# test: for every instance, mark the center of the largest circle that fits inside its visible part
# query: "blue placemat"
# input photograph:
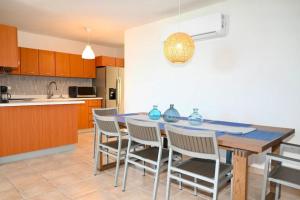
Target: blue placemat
(257, 134)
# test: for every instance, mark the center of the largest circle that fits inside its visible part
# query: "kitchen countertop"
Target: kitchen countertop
(31, 101)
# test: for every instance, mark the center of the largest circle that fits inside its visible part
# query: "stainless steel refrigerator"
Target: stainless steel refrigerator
(109, 85)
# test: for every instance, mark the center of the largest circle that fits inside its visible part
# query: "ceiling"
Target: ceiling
(108, 19)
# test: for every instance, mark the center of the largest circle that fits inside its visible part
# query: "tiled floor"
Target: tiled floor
(70, 176)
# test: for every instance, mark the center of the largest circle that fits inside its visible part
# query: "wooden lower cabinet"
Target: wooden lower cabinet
(30, 128)
(85, 115)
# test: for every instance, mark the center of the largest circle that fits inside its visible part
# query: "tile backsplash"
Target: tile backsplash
(37, 85)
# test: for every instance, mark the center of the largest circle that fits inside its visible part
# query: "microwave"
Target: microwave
(80, 92)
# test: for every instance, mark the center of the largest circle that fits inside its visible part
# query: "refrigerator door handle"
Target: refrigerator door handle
(117, 95)
(119, 92)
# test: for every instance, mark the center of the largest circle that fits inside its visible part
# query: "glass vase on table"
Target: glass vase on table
(154, 114)
(171, 114)
(195, 119)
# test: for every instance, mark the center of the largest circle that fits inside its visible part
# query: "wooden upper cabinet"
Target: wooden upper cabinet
(105, 61)
(119, 62)
(17, 70)
(46, 63)
(76, 66)
(62, 64)
(89, 68)
(8, 46)
(29, 61)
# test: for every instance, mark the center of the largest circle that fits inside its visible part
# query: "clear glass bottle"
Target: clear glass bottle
(195, 118)
(171, 114)
(154, 114)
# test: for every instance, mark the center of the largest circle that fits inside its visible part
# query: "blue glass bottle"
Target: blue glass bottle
(154, 114)
(171, 114)
(195, 118)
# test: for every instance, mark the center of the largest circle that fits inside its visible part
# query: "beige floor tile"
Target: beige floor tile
(55, 195)
(11, 194)
(79, 189)
(97, 195)
(5, 184)
(64, 180)
(34, 189)
(133, 194)
(12, 167)
(25, 178)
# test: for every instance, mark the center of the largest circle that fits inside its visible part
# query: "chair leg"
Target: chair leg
(144, 170)
(96, 162)
(168, 175)
(265, 181)
(215, 194)
(231, 188)
(156, 181)
(95, 136)
(117, 170)
(277, 191)
(195, 188)
(180, 183)
(107, 157)
(126, 167)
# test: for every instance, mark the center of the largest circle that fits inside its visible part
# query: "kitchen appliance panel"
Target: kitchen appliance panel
(100, 83)
(111, 86)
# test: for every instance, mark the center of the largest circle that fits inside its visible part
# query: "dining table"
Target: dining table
(241, 139)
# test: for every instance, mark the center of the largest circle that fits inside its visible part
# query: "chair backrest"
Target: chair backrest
(144, 132)
(108, 125)
(105, 111)
(195, 143)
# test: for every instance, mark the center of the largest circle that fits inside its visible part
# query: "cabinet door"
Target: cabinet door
(8, 46)
(89, 68)
(17, 70)
(76, 66)
(83, 116)
(119, 62)
(62, 64)
(29, 61)
(46, 63)
(105, 61)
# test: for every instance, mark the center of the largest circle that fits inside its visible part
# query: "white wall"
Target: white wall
(32, 40)
(252, 75)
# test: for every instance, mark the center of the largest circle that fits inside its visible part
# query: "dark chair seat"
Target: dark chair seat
(114, 144)
(152, 154)
(204, 167)
(286, 176)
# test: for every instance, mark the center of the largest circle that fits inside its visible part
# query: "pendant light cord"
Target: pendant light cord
(179, 15)
(179, 8)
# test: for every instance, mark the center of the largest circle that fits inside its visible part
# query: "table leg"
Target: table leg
(240, 174)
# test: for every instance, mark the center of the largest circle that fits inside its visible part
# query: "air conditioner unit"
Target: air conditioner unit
(200, 28)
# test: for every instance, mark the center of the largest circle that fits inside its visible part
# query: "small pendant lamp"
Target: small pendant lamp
(179, 47)
(88, 52)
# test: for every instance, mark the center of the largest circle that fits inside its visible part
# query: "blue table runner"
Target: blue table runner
(257, 134)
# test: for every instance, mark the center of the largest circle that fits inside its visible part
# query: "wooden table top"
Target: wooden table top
(256, 142)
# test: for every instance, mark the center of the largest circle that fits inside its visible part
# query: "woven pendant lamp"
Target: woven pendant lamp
(179, 47)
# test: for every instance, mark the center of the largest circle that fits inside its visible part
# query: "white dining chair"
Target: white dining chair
(102, 112)
(286, 171)
(203, 165)
(145, 133)
(108, 126)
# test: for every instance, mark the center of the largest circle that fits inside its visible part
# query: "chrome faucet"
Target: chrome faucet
(49, 89)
